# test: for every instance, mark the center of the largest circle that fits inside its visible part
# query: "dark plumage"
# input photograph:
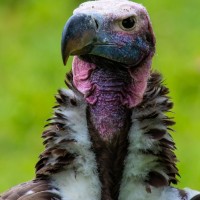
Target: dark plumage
(109, 137)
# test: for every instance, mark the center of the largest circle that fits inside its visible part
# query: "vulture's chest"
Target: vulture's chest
(136, 163)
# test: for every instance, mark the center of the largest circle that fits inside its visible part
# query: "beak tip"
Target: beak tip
(65, 58)
(64, 62)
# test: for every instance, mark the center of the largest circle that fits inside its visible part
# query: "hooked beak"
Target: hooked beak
(78, 36)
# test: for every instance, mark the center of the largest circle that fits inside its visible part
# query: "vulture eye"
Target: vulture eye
(128, 24)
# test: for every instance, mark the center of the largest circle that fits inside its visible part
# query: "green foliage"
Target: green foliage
(31, 70)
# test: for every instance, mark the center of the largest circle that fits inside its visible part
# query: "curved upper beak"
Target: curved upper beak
(78, 36)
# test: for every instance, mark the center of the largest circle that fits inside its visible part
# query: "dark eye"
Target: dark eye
(128, 23)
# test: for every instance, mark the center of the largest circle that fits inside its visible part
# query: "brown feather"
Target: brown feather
(40, 189)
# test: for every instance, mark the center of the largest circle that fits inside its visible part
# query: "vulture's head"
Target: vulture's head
(117, 30)
(113, 44)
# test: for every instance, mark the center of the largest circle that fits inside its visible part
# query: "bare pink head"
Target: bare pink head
(113, 43)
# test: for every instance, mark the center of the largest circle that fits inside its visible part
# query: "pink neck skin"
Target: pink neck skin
(81, 78)
(110, 92)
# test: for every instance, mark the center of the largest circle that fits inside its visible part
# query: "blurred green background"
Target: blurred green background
(31, 71)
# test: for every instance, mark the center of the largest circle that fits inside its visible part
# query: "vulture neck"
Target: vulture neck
(107, 109)
(139, 156)
(111, 90)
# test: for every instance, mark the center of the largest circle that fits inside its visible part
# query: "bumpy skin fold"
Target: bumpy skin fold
(109, 137)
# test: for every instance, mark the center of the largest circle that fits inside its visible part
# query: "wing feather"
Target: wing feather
(36, 189)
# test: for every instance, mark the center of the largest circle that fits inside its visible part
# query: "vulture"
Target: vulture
(109, 137)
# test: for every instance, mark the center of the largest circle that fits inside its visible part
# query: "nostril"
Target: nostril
(96, 23)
